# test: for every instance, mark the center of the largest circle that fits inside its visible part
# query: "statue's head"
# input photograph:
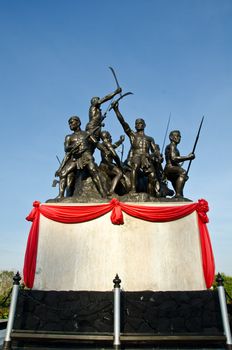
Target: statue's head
(175, 136)
(95, 101)
(74, 122)
(140, 124)
(105, 135)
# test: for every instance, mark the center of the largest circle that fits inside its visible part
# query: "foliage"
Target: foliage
(227, 286)
(6, 278)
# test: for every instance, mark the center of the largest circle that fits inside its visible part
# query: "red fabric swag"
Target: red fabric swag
(78, 214)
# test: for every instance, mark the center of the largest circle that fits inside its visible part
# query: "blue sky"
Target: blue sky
(175, 56)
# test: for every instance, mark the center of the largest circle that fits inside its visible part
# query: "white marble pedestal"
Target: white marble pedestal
(146, 255)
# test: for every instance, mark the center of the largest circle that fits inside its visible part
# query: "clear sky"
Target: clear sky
(174, 55)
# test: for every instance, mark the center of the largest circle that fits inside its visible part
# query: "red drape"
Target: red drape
(78, 214)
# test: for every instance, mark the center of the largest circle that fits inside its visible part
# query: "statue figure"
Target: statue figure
(95, 114)
(142, 154)
(78, 157)
(110, 161)
(173, 170)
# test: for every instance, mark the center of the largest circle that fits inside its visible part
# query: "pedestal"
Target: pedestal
(146, 255)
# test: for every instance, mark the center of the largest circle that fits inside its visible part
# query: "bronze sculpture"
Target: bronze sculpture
(78, 157)
(140, 177)
(142, 155)
(95, 113)
(173, 170)
(110, 161)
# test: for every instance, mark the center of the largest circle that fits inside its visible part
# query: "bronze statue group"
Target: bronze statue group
(141, 172)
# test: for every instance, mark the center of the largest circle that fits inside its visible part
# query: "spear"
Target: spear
(195, 144)
(58, 159)
(166, 132)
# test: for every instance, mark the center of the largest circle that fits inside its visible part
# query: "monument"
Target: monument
(118, 217)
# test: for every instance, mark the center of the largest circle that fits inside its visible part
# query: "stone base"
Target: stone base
(141, 312)
(146, 256)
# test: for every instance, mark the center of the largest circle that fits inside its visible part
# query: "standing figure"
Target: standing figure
(110, 163)
(173, 170)
(95, 113)
(142, 154)
(78, 157)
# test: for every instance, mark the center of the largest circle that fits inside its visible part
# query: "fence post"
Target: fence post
(224, 311)
(117, 312)
(14, 297)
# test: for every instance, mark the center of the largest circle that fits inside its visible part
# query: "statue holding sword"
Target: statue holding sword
(173, 169)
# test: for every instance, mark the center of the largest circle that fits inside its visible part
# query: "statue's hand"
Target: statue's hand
(118, 90)
(122, 138)
(191, 156)
(114, 105)
(57, 173)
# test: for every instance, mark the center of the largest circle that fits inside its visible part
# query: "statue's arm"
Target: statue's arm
(71, 146)
(114, 154)
(119, 142)
(110, 96)
(177, 158)
(66, 157)
(125, 125)
(67, 144)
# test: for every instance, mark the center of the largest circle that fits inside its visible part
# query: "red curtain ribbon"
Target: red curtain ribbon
(78, 214)
(206, 247)
(32, 246)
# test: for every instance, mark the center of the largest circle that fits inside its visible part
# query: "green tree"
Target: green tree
(6, 279)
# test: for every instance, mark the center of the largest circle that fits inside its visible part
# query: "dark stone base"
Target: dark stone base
(130, 197)
(195, 312)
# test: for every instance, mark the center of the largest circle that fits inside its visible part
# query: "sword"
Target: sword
(126, 94)
(195, 144)
(115, 78)
(117, 83)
